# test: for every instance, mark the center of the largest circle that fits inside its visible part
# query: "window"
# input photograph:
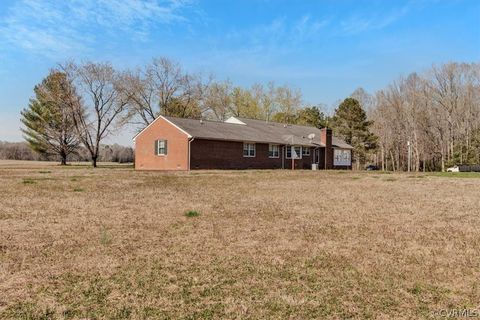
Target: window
(249, 149)
(297, 152)
(342, 157)
(273, 151)
(161, 147)
(305, 151)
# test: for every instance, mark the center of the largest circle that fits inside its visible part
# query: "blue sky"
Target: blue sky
(325, 48)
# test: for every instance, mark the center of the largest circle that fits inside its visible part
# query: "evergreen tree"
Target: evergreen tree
(311, 116)
(350, 123)
(48, 121)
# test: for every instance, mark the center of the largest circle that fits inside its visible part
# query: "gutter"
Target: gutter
(190, 140)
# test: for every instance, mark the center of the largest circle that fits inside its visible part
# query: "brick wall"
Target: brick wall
(211, 154)
(177, 148)
(326, 139)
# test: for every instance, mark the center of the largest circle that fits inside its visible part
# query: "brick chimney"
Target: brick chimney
(326, 139)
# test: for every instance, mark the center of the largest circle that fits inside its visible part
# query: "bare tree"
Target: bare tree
(438, 112)
(218, 98)
(104, 99)
(162, 87)
(288, 101)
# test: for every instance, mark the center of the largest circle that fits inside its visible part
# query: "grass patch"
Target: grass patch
(274, 245)
(382, 172)
(78, 190)
(356, 178)
(34, 180)
(28, 181)
(390, 179)
(27, 311)
(192, 213)
(456, 174)
(44, 171)
(105, 237)
(416, 289)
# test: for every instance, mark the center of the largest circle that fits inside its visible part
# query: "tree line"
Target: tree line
(22, 151)
(80, 104)
(437, 112)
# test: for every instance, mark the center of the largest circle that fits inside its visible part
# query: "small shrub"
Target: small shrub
(192, 213)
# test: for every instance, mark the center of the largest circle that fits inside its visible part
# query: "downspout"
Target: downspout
(189, 151)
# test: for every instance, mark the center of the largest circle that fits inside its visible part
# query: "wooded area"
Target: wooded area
(437, 111)
(108, 153)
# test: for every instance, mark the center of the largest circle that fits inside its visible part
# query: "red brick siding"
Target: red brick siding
(326, 139)
(213, 154)
(177, 148)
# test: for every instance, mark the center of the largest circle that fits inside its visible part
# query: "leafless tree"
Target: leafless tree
(438, 112)
(103, 101)
(218, 98)
(162, 88)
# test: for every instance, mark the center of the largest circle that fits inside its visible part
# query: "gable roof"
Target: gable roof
(243, 129)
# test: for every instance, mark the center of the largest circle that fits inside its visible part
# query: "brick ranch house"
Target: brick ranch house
(170, 143)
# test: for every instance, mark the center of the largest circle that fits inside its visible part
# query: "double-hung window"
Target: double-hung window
(248, 149)
(297, 152)
(305, 151)
(161, 147)
(273, 151)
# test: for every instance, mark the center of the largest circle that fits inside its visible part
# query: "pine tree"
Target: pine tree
(49, 127)
(350, 123)
(311, 116)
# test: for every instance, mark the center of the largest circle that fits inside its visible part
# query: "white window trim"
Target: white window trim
(158, 148)
(306, 148)
(278, 151)
(286, 152)
(254, 150)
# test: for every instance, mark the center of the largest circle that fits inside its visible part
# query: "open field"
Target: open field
(38, 164)
(116, 244)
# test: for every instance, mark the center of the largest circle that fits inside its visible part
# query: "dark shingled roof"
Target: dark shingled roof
(254, 131)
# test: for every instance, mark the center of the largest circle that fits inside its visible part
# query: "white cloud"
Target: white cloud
(377, 20)
(53, 28)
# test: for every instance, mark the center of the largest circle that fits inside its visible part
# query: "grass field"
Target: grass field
(119, 244)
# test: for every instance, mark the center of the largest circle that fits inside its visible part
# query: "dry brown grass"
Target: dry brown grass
(114, 243)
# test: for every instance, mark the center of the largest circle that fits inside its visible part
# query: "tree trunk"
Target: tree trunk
(383, 158)
(94, 161)
(63, 158)
(443, 162)
(393, 161)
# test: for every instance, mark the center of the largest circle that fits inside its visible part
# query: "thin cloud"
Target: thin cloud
(281, 34)
(53, 28)
(357, 24)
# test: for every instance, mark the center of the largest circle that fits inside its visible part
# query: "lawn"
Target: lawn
(118, 244)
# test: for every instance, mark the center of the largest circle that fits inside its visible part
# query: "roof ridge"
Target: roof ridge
(288, 124)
